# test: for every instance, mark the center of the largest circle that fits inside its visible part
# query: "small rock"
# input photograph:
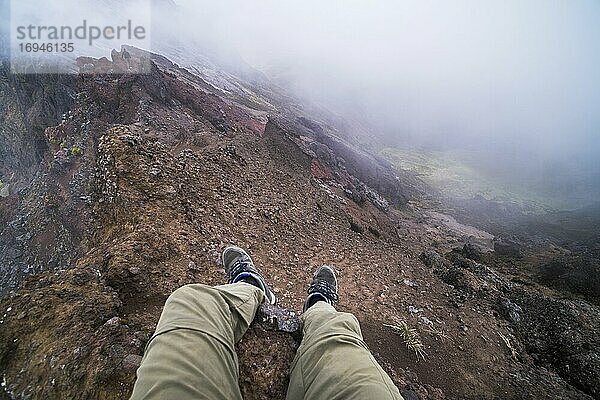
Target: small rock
(509, 309)
(280, 319)
(472, 251)
(137, 343)
(408, 394)
(410, 283)
(432, 258)
(114, 321)
(4, 191)
(356, 226)
(231, 149)
(131, 362)
(141, 336)
(154, 171)
(413, 310)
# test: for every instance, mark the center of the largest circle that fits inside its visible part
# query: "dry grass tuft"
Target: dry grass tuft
(411, 338)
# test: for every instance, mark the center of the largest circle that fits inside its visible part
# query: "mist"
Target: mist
(517, 83)
(514, 83)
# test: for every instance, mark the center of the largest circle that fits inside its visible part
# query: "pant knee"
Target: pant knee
(191, 297)
(189, 290)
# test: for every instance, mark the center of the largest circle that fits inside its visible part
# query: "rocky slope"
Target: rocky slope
(125, 187)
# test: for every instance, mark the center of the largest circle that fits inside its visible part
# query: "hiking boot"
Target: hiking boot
(239, 267)
(323, 287)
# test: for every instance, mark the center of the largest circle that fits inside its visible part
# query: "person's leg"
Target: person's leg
(333, 362)
(192, 355)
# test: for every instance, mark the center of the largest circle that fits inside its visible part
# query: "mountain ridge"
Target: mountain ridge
(142, 179)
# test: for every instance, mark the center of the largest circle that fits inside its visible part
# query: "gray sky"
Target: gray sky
(518, 79)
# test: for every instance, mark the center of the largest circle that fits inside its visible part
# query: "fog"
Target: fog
(516, 81)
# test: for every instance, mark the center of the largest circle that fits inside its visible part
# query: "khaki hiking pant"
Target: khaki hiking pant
(192, 355)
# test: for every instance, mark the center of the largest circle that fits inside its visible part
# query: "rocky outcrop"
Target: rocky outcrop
(375, 179)
(28, 104)
(563, 335)
(558, 334)
(33, 236)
